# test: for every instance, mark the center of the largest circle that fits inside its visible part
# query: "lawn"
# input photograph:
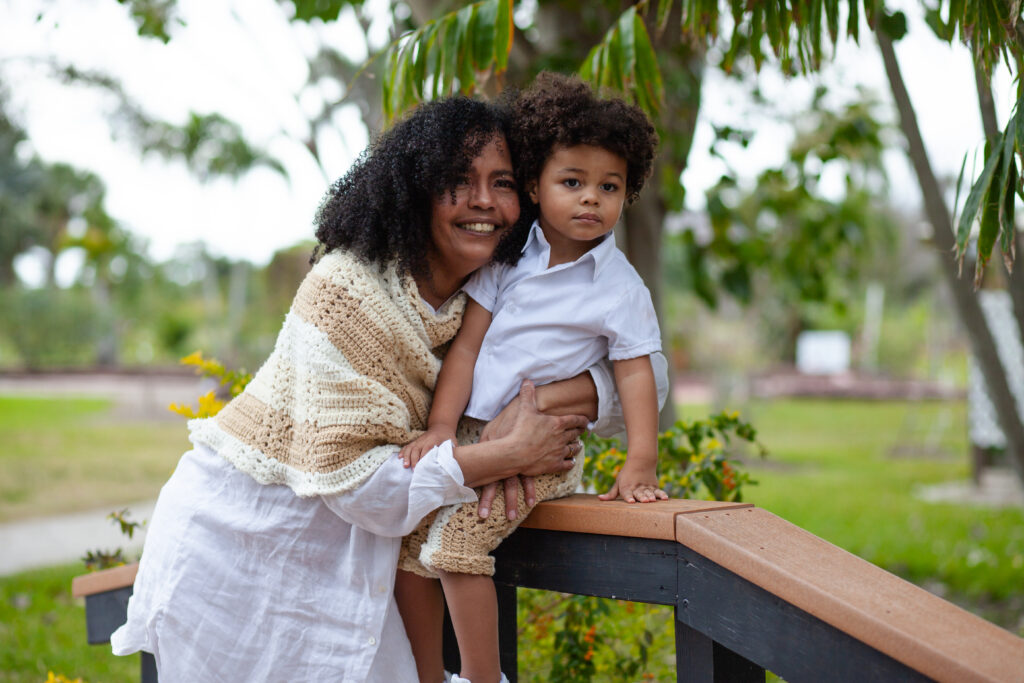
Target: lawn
(844, 470)
(63, 455)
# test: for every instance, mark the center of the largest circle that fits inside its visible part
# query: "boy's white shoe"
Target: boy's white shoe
(456, 678)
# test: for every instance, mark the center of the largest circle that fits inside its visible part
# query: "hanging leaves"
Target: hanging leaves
(625, 61)
(458, 52)
(993, 194)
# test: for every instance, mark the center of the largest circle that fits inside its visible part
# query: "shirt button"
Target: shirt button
(372, 641)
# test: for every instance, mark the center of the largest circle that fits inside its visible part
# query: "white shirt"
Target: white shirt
(549, 324)
(245, 582)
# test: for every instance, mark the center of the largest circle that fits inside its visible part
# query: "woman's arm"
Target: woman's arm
(393, 500)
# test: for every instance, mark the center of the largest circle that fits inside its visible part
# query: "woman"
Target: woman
(271, 554)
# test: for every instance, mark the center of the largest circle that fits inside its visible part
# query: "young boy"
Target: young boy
(571, 300)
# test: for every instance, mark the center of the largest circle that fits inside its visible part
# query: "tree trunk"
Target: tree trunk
(982, 343)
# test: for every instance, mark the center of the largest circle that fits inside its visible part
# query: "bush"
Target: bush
(52, 327)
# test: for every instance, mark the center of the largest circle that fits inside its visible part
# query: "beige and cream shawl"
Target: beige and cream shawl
(349, 380)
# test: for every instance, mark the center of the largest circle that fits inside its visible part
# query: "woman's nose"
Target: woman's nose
(480, 196)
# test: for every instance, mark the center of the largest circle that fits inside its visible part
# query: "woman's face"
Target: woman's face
(466, 230)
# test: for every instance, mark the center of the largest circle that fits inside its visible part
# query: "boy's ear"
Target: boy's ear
(531, 189)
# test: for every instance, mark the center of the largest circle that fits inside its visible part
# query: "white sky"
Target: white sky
(249, 68)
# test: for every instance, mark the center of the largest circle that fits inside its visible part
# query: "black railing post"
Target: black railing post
(508, 630)
(694, 653)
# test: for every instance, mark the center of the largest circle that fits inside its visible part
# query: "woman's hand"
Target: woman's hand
(502, 424)
(542, 444)
(511, 485)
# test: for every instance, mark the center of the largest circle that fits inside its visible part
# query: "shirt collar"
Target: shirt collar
(538, 247)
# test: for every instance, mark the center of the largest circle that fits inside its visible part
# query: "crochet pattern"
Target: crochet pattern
(456, 539)
(349, 380)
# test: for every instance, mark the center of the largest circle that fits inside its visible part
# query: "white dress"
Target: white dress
(245, 582)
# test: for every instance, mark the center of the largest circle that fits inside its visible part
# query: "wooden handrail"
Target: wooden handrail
(751, 592)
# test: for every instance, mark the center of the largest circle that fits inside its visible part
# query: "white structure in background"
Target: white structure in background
(983, 423)
(823, 352)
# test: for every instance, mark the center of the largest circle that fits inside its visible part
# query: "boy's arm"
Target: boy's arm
(454, 383)
(638, 478)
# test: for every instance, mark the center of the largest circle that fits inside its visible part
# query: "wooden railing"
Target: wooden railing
(751, 593)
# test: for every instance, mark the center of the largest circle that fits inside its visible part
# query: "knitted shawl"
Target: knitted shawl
(349, 380)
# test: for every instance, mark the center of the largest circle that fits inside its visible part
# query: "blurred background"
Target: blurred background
(161, 162)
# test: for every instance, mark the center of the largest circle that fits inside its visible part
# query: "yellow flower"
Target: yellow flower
(194, 358)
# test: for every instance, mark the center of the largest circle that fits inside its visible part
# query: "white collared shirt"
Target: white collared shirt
(549, 324)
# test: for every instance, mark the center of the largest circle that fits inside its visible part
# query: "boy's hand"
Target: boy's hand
(421, 445)
(635, 484)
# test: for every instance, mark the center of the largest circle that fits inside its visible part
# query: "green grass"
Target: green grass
(844, 470)
(847, 472)
(42, 629)
(61, 455)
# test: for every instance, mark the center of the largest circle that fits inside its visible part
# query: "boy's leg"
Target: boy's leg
(473, 605)
(422, 608)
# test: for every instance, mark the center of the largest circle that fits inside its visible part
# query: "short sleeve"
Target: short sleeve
(482, 285)
(609, 410)
(631, 325)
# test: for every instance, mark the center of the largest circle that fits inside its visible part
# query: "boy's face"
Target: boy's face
(581, 191)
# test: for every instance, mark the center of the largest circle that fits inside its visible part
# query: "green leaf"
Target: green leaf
(974, 197)
(894, 25)
(626, 45)
(989, 230)
(1005, 185)
(464, 38)
(449, 37)
(325, 10)
(503, 30)
(664, 9)
(773, 25)
(1009, 209)
(484, 34)
(649, 84)
(832, 15)
(853, 21)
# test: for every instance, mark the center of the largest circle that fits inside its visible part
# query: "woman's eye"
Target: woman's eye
(506, 184)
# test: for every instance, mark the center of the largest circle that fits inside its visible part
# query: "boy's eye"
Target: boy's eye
(609, 187)
(571, 182)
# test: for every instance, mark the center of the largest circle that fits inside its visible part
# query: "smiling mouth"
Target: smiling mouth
(479, 228)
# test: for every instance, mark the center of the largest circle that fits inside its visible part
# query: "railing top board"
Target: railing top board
(584, 513)
(103, 581)
(896, 617)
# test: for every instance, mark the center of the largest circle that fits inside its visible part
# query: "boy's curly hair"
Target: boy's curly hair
(380, 209)
(563, 111)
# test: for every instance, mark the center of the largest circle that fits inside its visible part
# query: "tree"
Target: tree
(653, 51)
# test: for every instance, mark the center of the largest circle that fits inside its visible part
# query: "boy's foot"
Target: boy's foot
(459, 679)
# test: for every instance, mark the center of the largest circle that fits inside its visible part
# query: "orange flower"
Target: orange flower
(590, 655)
(589, 635)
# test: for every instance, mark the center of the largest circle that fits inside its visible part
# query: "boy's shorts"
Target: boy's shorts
(456, 539)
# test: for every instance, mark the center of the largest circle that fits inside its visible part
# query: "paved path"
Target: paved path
(33, 543)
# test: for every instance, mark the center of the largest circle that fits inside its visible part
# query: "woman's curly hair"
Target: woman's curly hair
(380, 209)
(563, 111)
